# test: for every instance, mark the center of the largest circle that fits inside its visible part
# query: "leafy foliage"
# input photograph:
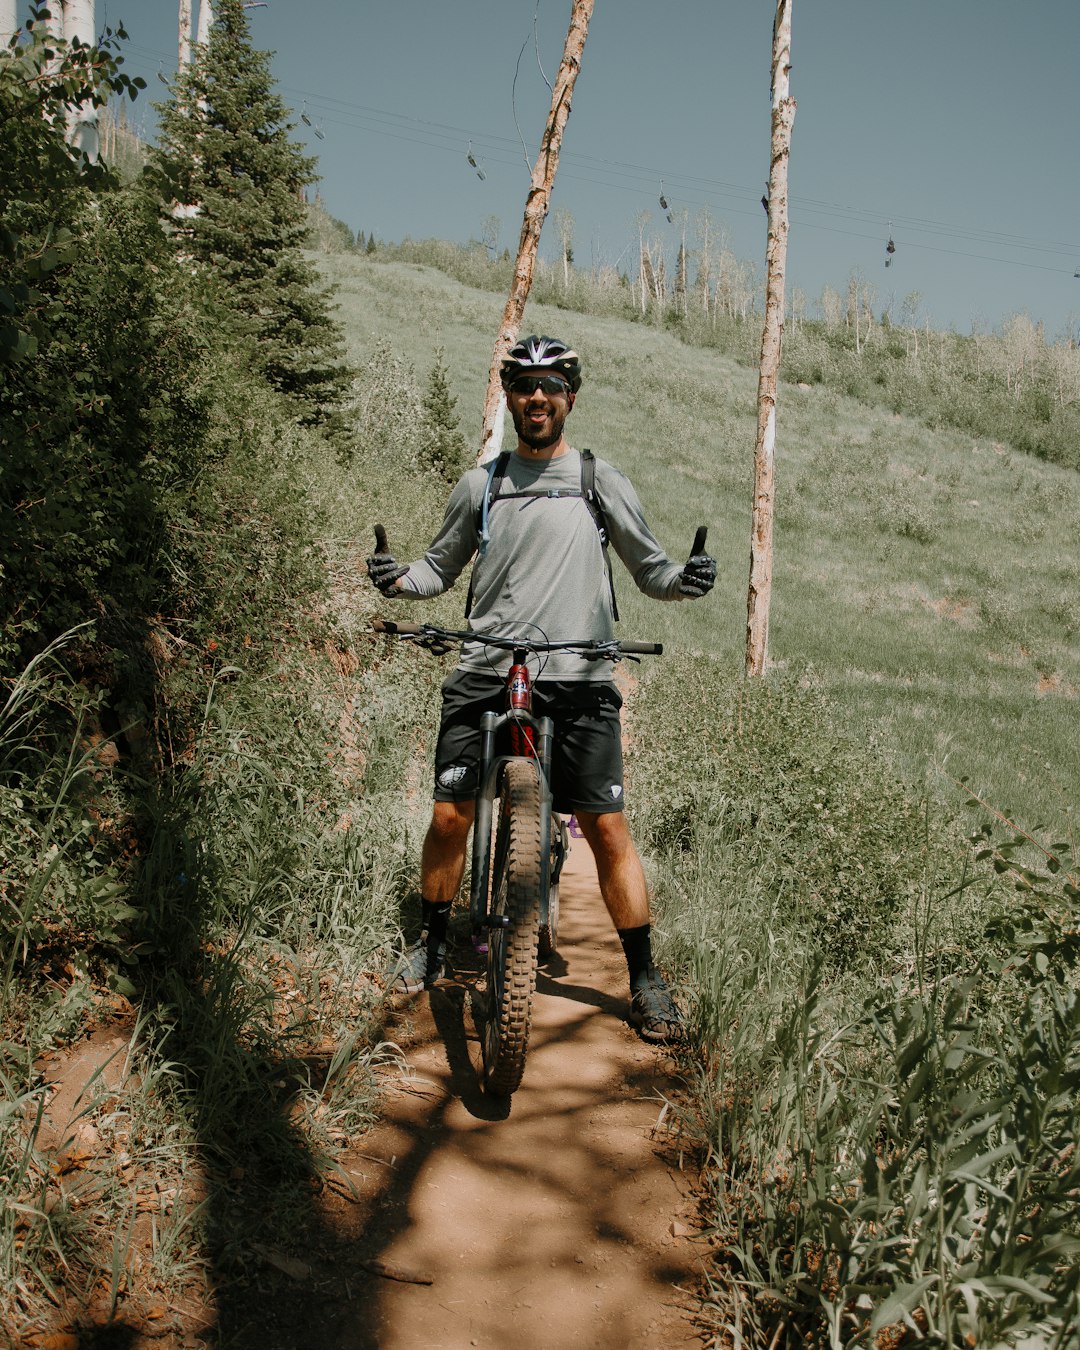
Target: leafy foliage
(775, 779)
(891, 1140)
(42, 79)
(93, 379)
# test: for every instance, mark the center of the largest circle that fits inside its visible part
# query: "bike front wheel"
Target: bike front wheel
(512, 943)
(560, 846)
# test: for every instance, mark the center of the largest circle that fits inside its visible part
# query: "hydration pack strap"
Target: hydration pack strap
(587, 491)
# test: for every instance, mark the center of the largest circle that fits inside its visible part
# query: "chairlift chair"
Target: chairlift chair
(472, 160)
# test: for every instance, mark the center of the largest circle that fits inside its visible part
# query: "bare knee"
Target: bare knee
(450, 823)
(607, 834)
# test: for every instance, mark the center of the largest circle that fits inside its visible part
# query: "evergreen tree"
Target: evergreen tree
(239, 181)
(446, 450)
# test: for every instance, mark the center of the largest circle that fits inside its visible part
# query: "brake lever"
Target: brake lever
(437, 646)
(606, 651)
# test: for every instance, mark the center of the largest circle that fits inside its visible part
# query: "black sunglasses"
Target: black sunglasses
(529, 384)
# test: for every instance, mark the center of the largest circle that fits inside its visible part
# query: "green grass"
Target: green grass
(817, 897)
(929, 580)
(883, 1039)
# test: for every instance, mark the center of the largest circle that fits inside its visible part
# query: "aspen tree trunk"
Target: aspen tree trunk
(536, 208)
(206, 18)
(82, 127)
(759, 594)
(184, 53)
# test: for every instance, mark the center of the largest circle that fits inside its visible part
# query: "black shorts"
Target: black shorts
(586, 764)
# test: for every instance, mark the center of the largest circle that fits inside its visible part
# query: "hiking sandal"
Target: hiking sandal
(653, 1011)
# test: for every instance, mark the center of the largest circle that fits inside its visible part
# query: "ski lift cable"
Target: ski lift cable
(806, 204)
(803, 204)
(401, 122)
(566, 173)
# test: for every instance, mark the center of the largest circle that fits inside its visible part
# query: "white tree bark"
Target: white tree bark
(54, 24)
(8, 21)
(184, 46)
(206, 18)
(536, 208)
(82, 123)
(759, 594)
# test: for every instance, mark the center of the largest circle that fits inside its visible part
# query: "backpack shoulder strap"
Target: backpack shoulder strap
(596, 510)
(592, 497)
(496, 473)
(492, 488)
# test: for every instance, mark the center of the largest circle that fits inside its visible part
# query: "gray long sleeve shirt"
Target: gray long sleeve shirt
(543, 564)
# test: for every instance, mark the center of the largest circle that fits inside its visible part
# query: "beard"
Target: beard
(538, 438)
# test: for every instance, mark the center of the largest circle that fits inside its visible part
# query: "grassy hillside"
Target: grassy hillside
(932, 582)
(883, 1029)
(225, 910)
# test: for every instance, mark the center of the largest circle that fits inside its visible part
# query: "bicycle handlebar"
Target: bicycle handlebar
(588, 647)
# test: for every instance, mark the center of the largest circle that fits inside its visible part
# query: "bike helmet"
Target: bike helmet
(544, 354)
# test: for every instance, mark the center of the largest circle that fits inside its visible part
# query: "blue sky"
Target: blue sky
(949, 124)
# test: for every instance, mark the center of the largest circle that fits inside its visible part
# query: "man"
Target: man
(540, 561)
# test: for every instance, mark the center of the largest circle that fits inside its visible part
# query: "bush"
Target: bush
(771, 778)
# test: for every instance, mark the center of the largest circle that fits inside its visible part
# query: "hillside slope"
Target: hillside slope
(932, 582)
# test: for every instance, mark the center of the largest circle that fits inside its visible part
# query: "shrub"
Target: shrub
(765, 768)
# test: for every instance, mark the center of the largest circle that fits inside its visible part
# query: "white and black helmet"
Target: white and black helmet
(544, 354)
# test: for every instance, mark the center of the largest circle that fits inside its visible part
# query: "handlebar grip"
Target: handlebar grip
(699, 540)
(381, 545)
(396, 626)
(642, 648)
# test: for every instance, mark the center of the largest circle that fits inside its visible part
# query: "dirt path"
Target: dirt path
(562, 1221)
(562, 1218)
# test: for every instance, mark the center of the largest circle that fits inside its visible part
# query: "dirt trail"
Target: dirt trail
(562, 1218)
(562, 1221)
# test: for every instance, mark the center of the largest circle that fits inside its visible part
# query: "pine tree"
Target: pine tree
(446, 450)
(239, 182)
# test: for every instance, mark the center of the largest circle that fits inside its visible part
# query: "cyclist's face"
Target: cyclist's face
(539, 413)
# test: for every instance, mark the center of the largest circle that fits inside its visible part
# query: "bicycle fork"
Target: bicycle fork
(490, 769)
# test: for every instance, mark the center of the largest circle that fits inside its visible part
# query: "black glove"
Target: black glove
(699, 575)
(382, 566)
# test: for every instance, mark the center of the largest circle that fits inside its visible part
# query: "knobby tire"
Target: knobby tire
(549, 932)
(512, 951)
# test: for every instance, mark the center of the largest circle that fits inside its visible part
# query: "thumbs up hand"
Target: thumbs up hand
(699, 575)
(383, 567)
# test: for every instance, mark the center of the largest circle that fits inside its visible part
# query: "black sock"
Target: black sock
(637, 948)
(435, 918)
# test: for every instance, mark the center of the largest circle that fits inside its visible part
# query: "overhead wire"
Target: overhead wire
(695, 189)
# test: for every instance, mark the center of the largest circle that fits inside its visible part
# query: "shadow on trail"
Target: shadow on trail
(450, 1007)
(544, 1221)
(458, 1215)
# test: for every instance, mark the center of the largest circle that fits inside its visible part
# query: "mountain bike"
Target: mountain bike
(514, 892)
